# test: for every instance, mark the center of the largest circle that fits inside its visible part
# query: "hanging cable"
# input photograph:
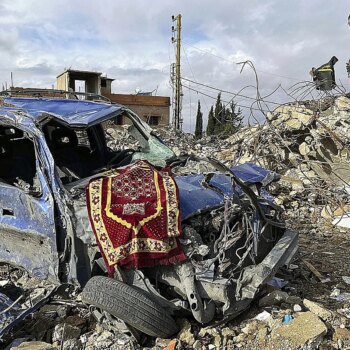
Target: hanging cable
(228, 92)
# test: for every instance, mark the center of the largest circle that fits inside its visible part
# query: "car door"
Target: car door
(27, 225)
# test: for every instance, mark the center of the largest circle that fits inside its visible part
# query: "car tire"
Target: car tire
(130, 304)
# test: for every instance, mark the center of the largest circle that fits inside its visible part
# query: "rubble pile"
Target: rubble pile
(308, 143)
(281, 319)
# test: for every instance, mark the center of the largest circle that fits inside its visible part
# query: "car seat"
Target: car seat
(66, 153)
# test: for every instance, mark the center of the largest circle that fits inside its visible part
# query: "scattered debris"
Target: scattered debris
(318, 310)
(313, 269)
(305, 306)
(305, 331)
(346, 279)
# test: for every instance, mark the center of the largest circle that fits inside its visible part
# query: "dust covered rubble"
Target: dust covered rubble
(308, 143)
(277, 324)
(281, 320)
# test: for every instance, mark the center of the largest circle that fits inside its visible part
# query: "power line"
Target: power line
(214, 98)
(189, 64)
(228, 92)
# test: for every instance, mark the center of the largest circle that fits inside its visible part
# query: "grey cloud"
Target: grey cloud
(130, 41)
(127, 80)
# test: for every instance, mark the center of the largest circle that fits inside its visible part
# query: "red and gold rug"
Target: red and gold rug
(135, 215)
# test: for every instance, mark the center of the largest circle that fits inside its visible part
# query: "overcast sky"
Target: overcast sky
(130, 41)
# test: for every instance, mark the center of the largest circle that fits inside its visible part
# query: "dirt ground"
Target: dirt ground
(329, 254)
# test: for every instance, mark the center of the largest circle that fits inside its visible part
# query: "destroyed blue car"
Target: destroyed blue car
(233, 235)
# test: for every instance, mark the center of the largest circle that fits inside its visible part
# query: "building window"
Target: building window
(153, 119)
(103, 83)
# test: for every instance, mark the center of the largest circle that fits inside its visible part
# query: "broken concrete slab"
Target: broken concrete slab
(65, 331)
(318, 310)
(342, 221)
(341, 104)
(34, 345)
(341, 333)
(306, 331)
(185, 335)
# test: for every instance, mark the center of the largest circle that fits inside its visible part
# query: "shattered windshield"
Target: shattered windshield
(124, 132)
(80, 153)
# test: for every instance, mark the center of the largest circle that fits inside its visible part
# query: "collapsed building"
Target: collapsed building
(307, 143)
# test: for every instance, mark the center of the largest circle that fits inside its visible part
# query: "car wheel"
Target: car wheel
(130, 304)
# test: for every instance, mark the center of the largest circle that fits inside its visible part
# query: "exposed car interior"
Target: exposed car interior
(17, 157)
(79, 153)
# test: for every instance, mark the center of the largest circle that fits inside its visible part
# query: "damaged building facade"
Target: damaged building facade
(152, 109)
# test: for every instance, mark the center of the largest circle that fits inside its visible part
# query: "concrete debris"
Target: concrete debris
(263, 316)
(346, 279)
(342, 221)
(34, 345)
(63, 332)
(297, 308)
(318, 310)
(185, 335)
(306, 142)
(342, 334)
(109, 340)
(306, 331)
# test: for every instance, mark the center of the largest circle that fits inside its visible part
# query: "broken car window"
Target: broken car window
(81, 153)
(72, 151)
(17, 160)
(119, 135)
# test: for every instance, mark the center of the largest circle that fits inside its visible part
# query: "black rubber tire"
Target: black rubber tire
(129, 304)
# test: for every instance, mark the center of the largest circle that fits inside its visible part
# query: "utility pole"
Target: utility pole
(176, 73)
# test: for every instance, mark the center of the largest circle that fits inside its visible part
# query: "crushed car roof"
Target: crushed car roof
(72, 112)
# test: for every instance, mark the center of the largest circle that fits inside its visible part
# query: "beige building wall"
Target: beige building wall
(144, 112)
(155, 110)
(106, 86)
(67, 79)
(62, 83)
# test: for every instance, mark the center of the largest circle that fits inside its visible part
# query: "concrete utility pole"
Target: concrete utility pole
(176, 73)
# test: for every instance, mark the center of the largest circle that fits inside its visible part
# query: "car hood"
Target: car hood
(194, 197)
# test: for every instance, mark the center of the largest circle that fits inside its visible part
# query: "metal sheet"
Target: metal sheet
(194, 197)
